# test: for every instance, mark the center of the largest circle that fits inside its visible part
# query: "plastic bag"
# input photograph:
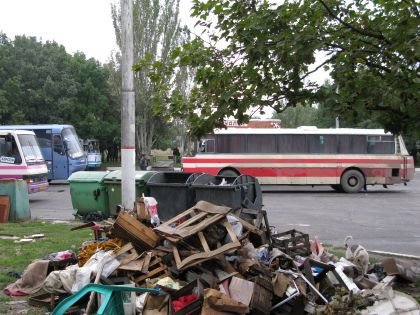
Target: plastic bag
(151, 206)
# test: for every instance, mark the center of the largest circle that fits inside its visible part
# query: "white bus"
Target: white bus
(21, 158)
(347, 159)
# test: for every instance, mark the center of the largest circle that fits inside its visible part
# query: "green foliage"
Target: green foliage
(263, 54)
(293, 117)
(42, 83)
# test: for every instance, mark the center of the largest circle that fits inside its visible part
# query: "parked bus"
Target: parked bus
(92, 152)
(60, 147)
(21, 158)
(346, 159)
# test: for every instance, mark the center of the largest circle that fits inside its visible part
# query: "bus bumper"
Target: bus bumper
(37, 187)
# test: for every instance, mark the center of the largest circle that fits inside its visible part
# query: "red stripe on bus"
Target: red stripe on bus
(300, 160)
(296, 172)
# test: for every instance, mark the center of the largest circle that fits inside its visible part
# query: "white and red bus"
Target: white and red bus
(21, 158)
(346, 159)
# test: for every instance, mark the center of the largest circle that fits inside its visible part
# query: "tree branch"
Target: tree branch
(317, 68)
(354, 29)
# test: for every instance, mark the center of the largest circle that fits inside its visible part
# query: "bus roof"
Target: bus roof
(35, 127)
(302, 130)
(17, 131)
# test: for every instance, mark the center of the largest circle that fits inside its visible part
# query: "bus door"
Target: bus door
(60, 161)
(405, 170)
(44, 137)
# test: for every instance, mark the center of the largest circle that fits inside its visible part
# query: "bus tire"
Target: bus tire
(228, 173)
(352, 181)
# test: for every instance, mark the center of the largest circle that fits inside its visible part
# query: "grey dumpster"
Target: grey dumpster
(243, 191)
(172, 191)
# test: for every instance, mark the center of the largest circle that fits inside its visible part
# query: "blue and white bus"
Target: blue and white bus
(92, 152)
(60, 147)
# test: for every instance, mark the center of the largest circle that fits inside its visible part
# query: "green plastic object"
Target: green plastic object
(17, 190)
(88, 193)
(112, 183)
(112, 303)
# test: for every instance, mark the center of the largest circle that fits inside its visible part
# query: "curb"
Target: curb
(398, 255)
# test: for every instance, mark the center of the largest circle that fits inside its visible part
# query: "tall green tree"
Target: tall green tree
(156, 30)
(262, 53)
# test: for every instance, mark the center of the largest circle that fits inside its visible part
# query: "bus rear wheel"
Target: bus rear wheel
(352, 181)
(228, 173)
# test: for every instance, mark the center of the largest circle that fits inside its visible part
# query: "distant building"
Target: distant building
(254, 123)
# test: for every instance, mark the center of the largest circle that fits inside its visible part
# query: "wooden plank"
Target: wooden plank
(179, 216)
(130, 257)
(248, 226)
(203, 242)
(192, 220)
(135, 265)
(155, 261)
(150, 274)
(200, 257)
(122, 249)
(230, 231)
(146, 262)
(176, 256)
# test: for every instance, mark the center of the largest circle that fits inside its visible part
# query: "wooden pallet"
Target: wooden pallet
(207, 253)
(192, 221)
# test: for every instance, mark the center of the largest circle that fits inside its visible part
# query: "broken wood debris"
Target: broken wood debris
(211, 259)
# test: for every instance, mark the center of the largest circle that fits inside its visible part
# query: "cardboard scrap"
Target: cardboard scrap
(218, 303)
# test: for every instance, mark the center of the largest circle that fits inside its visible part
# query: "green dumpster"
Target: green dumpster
(17, 190)
(88, 193)
(112, 183)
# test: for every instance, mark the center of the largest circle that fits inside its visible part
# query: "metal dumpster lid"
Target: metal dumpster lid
(88, 176)
(117, 176)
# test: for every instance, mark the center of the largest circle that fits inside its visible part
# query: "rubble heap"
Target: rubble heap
(212, 259)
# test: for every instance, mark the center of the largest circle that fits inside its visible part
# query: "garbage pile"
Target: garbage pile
(212, 259)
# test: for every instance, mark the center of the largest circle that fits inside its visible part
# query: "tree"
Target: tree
(156, 31)
(300, 115)
(263, 54)
(42, 83)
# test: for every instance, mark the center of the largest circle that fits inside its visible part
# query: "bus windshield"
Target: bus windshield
(73, 146)
(30, 148)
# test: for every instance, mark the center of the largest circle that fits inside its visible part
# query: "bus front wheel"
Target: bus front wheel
(352, 181)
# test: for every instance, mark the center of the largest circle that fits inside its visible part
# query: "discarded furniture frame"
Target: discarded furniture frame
(208, 253)
(197, 218)
(192, 222)
(292, 243)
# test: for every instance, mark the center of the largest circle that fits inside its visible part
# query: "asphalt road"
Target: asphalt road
(380, 219)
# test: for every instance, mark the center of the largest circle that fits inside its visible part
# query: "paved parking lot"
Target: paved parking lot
(380, 219)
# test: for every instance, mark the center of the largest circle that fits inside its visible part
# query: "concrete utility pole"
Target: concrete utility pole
(128, 129)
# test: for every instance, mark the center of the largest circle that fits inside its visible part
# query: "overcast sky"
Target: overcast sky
(78, 25)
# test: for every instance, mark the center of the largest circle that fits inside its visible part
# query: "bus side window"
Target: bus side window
(58, 145)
